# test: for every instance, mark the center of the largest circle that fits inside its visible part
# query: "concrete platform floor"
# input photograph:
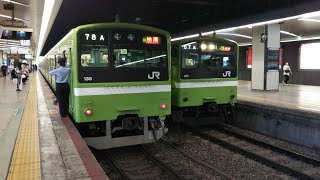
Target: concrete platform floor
(302, 97)
(11, 109)
(63, 155)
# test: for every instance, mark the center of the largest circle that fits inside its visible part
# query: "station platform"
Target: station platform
(300, 97)
(35, 142)
(292, 113)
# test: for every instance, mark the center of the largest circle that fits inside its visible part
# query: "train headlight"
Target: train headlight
(212, 46)
(163, 106)
(88, 112)
(203, 46)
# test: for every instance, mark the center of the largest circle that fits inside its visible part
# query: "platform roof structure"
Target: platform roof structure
(179, 17)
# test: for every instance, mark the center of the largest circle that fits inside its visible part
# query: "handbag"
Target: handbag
(287, 71)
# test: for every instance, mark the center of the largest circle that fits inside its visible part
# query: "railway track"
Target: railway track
(135, 163)
(202, 163)
(291, 163)
(144, 162)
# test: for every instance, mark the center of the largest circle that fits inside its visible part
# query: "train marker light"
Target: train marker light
(88, 112)
(163, 106)
(203, 46)
(225, 48)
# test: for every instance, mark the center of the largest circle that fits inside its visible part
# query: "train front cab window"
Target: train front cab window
(216, 61)
(135, 58)
(119, 55)
(196, 63)
(190, 55)
(94, 56)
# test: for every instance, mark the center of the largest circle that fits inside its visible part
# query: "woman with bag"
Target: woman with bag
(286, 72)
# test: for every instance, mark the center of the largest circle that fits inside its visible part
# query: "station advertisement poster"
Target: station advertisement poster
(273, 59)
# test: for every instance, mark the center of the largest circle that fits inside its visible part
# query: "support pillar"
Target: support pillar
(265, 57)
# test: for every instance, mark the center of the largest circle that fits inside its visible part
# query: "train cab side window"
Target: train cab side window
(94, 56)
(189, 55)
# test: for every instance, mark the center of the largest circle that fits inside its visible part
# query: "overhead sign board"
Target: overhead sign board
(15, 35)
(25, 42)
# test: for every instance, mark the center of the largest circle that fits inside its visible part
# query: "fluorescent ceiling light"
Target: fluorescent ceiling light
(307, 19)
(8, 46)
(233, 34)
(5, 40)
(288, 40)
(289, 33)
(312, 14)
(22, 20)
(185, 37)
(245, 44)
(10, 17)
(301, 39)
(253, 25)
(48, 6)
(231, 40)
(2, 44)
(14, 2)
(5, 16)
(274, 21)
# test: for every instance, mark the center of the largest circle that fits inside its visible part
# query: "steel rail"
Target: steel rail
(294, 155)
(161, 164)
(253, 156)
(207, 165)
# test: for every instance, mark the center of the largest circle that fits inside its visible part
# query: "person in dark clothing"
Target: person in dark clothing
(62, 86)
(18, 73)
(4, 70)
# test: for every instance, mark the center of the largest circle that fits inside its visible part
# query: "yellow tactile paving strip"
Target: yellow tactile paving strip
(25, 162)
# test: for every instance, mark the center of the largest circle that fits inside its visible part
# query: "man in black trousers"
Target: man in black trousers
(62, 86)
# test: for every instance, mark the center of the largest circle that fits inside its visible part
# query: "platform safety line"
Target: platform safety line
(25, 161)
(301, 105)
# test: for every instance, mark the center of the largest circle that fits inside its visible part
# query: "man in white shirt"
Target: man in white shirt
(286, 72)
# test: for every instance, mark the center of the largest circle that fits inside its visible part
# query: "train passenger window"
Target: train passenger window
(94, 56)
(135, 58)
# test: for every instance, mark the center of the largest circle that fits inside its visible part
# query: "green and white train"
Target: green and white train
(120, 82)
(121, 85)
(204, 77)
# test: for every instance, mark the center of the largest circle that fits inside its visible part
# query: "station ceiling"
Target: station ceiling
(179, 17)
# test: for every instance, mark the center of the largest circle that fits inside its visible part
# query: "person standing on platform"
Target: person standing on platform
(62, 86)
(18, 73)
(286, 73)
(11, 67)
(4, 70)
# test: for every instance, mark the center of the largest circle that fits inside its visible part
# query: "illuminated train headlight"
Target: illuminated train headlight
(203, 46)
(212, 46)
(88, 112)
